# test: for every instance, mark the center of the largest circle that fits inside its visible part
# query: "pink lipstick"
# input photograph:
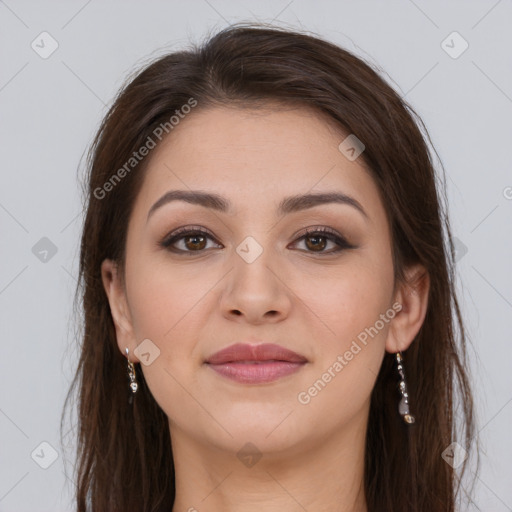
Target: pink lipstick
(255, 364)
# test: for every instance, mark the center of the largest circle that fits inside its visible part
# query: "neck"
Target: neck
(321, 475)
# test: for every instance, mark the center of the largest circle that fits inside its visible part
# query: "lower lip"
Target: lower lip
(256, 373)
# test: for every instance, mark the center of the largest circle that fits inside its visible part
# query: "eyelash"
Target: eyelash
(181, 233)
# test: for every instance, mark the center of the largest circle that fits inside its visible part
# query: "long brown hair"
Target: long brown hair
(124, 457)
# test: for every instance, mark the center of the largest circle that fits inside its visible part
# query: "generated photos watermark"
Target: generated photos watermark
(137, 156)
(304, 397)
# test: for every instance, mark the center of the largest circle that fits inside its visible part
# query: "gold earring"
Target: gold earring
(131, 373)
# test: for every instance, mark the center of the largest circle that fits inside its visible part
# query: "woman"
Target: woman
(270, 314)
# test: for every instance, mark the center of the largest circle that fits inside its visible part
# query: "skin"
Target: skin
(312, 302)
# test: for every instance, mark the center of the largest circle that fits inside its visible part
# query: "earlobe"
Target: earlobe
(118, 305)
(412, 295)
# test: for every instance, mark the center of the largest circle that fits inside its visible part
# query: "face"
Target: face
(313, 277)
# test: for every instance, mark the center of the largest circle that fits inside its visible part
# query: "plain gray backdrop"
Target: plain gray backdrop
(62, 63)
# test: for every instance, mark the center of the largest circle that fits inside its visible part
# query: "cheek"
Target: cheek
(355, 312)
(166, 308)
(348, 300)
(163, 298)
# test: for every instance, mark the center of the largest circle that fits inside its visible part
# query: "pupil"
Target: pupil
(195, 238)
(315, 243)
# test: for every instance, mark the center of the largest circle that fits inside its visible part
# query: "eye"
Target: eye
(316, 240)
(194, 240)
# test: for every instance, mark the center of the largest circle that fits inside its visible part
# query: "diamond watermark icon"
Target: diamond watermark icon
(454, 455)
(44, 250)
(249, 249)
(44, 455)
(147, 352)
(454, 45)
(460, 249)
(44, 45)
(351, 147)
(249, 455)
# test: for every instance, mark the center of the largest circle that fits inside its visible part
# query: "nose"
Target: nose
(255, 291)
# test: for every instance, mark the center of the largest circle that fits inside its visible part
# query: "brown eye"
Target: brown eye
(194, 240)
(316, 240)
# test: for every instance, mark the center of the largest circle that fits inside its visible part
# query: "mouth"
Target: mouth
(254, 364)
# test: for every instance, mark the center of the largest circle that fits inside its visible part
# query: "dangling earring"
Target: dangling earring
(131, 373)
(403, 406)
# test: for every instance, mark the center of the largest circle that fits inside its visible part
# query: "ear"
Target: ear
(119, 309)
(412, 295)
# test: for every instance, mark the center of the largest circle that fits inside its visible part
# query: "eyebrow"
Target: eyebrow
(290, 204)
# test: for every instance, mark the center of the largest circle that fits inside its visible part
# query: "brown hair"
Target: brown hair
(124, 454)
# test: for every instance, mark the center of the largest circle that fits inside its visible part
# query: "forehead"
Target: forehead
(255, 157)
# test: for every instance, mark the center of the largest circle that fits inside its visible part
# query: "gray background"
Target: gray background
(50, 109)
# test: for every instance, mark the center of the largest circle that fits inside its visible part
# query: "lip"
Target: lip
(253, 364)
(262, 352)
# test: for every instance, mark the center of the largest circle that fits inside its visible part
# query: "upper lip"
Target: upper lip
(261, 352)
